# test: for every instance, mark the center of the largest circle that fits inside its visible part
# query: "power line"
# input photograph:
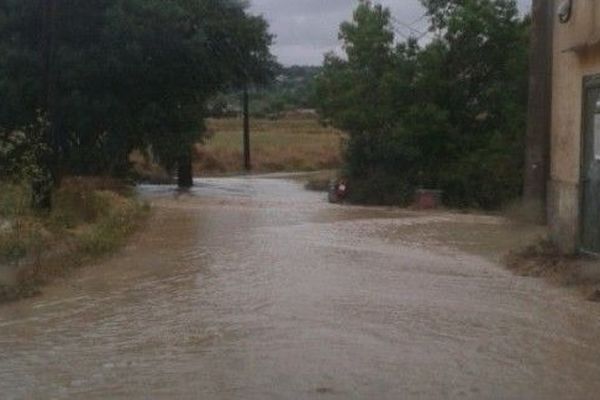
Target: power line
(421, 18)
(405, 25)
(400, 27)
(413, 33)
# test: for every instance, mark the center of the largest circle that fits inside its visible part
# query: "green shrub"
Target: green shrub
(382, 189)
(98, 221)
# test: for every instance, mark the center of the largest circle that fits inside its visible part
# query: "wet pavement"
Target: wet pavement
(252, 288)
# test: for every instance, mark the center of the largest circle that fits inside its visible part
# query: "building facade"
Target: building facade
(574, 183)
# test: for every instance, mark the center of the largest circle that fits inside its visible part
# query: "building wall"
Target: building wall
(576, 54)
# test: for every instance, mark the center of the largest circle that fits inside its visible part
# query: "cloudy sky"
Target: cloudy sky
(306, 29)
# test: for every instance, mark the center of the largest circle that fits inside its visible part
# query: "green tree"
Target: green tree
(448, 115)
(359, 94)
(351, 88)
(485, 68)
(189, 50)
(114, 75)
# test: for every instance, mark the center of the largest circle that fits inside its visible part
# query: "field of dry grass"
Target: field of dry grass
(290, 144)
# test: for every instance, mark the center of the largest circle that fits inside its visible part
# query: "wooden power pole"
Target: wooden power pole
(537, 157)
(246, 112)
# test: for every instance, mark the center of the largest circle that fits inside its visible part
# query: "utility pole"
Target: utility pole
(246, 112)
(537, 153)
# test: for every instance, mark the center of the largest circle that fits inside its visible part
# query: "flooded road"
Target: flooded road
(252, 288)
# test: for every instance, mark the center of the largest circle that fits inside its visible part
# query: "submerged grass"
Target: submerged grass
(90, 218)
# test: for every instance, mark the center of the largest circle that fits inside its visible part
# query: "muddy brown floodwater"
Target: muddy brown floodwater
(252, 288)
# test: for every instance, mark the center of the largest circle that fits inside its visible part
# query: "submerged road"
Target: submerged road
(252, 288)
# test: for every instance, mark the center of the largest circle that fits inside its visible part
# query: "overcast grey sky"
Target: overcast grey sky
(306, 29)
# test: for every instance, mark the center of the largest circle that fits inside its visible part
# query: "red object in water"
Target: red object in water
(428, 199)
(341, 190)
(337, 191)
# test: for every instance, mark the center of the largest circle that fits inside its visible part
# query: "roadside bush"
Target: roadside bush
(88, 221)
(487, 179)
(119, 218)
(380, 188)
(94, 219)
(75, 207)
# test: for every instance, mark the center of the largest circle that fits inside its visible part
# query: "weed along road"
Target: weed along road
(252, 288)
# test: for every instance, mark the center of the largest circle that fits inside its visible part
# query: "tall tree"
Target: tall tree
(125, 74)
(449, 115)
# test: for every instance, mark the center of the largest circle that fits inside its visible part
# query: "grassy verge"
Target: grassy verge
(543, 260)
(90, 218)
(282, 145)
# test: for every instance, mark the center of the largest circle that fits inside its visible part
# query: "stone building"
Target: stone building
(574, 186)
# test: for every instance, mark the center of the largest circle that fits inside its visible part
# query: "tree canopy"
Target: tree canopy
(449, 114)
(114, 75)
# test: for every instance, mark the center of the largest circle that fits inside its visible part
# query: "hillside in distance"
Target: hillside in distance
(291, 90)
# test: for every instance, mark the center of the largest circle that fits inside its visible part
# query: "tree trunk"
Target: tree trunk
(537, 157)
(185, 179)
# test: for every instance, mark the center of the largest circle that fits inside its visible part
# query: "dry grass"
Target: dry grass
(289, 144)
(91, 217)
(544, 260)
(147, 171)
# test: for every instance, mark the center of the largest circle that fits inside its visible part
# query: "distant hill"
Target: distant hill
(293, 89)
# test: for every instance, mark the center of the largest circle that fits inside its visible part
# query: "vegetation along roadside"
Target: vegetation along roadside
(91, 218)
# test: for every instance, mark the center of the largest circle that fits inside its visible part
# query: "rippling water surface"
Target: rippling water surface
(252, 288)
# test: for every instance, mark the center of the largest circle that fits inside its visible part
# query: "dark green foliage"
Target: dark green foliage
(449, 115)
(123, 74)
